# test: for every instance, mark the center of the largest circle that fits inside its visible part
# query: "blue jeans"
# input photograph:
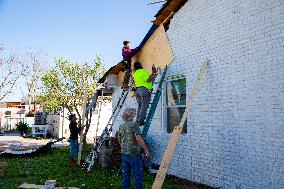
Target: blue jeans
(143, 97)
(74, 148)
(133, 163)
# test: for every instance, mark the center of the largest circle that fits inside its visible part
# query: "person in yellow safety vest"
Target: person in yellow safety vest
(143, 83)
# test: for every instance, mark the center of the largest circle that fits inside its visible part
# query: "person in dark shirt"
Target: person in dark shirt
(74, 145)
(127, 54)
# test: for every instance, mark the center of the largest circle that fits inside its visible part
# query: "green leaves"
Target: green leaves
(64, 83)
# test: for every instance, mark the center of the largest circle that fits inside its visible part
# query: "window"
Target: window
(176, 103)
(8, 113)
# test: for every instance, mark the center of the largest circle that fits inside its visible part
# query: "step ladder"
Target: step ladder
(154, 103)
(93, 155)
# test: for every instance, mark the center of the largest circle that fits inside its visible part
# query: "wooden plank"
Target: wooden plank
(82, 125)
(168, 18)
(34, 186)
(160, 177)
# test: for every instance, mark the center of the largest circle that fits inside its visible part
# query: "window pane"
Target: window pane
(176, 92)
(174, 116)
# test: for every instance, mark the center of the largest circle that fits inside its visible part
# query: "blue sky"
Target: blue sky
(76, 30)
(73, 29)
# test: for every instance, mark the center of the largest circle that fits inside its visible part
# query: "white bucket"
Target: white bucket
(50, 184)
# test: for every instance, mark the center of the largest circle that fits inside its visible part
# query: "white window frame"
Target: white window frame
(165, 105)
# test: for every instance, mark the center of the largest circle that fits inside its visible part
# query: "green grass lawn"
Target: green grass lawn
(54, 165)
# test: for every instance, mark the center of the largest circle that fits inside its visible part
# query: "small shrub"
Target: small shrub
(23, 128)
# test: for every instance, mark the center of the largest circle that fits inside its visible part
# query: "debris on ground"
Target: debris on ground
(34, 186)
(21, 146)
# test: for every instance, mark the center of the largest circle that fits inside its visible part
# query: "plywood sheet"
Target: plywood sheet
(156, 51)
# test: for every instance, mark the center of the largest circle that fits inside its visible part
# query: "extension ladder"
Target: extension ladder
(154, 104)
(93, 155)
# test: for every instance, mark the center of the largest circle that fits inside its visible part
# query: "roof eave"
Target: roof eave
(168, 8)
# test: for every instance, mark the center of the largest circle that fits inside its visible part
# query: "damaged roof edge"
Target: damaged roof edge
(113, 70)
(167, 8)
(117, 68)
(163, 8)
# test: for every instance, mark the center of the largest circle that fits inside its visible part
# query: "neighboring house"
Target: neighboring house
(59, 124)
(12, 113)
(100, 118)
(20, 105)
(233, 137)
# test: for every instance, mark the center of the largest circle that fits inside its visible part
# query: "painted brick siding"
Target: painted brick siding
(235, 133)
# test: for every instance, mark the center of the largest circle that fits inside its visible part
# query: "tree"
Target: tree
(21, 69)
(36, 68)
(12, 68)
(64, 84)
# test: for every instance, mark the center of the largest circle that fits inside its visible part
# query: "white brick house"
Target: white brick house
(235, 131)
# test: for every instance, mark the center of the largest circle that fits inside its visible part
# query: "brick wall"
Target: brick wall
(235, 135)
(236, 126)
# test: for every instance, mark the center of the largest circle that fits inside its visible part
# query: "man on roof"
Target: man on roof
(143, 83)
(127, 54)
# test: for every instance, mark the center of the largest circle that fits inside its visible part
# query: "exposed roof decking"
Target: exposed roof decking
(169, 7)
(163, 16)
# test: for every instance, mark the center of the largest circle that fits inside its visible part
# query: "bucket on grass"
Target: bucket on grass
(50, 184)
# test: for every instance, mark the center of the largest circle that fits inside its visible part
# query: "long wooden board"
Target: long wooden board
(82, 125)
(34, 186)
(160, 177)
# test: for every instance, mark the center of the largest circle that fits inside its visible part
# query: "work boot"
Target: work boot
(82, 162)
(125, 66)
(141, 123)
(72, 162)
